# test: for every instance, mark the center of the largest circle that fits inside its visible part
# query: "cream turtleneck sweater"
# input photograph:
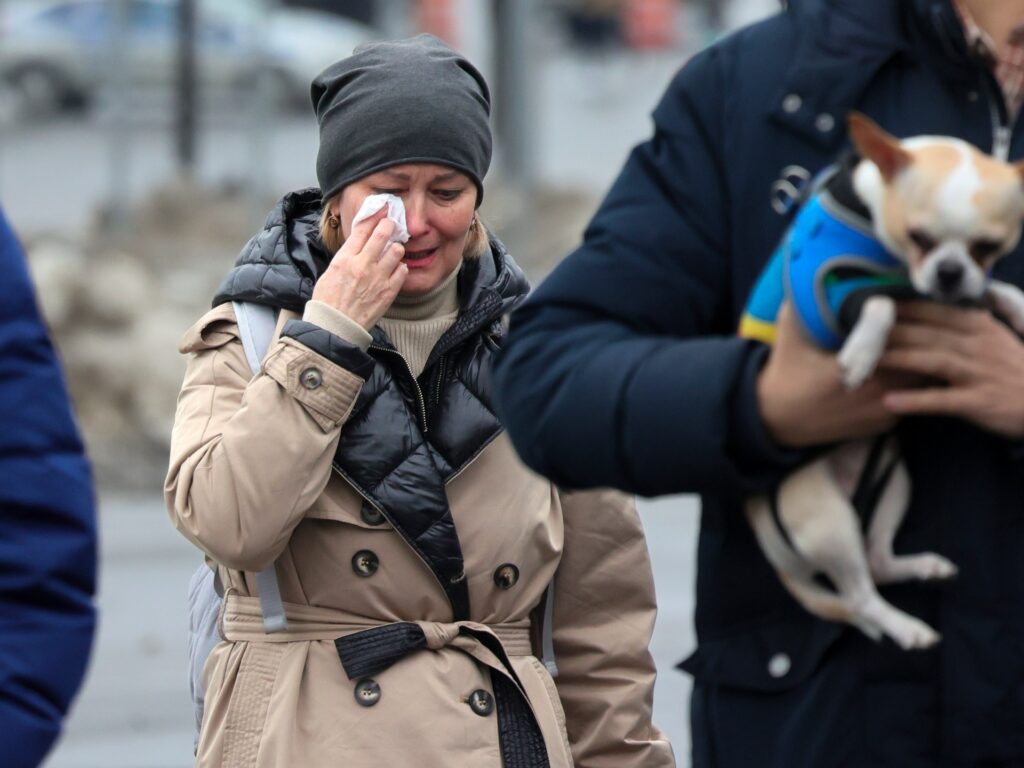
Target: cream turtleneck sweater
(413, 323)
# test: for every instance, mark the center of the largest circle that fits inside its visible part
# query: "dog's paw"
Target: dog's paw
(857, 363)
(908, 633)
(927, 566)
(911, 634)
(1008, 300)
(930, 566)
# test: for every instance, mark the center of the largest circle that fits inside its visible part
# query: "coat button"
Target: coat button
(481, 702)
(365, 563)
(311, 378)
(371, 515)
(824, 122)
(367, 692)
(506, 576)
(779, 665)
(792, 103)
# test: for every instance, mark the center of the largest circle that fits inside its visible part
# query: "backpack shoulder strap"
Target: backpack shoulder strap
(256, 326)
(548, 631)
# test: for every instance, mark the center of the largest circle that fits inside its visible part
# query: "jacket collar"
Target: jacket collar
(842, 46)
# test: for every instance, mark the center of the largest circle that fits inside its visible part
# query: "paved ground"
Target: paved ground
(134, 710)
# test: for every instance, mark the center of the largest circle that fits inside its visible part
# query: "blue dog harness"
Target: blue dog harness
(828, 254)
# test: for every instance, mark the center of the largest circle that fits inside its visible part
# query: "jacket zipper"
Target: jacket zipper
(1002, 130)
(1002, 133)
(419, 391)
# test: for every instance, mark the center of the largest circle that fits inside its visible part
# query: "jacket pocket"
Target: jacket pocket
(248, 708)
(772, 656)
(556, 703)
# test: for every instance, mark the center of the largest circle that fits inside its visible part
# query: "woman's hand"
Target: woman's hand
(803, 400)
(975, 365)
(366, 273)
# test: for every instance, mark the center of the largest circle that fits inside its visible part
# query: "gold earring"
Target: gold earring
(333, 221)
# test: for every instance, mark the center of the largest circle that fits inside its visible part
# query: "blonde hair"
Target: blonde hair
(476, 241)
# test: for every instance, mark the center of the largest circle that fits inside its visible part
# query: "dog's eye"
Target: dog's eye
(922, 240)
(983, 249)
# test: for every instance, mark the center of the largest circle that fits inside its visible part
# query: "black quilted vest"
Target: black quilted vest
(405, 438)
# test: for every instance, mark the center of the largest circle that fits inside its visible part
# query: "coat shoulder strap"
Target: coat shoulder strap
(256, 325)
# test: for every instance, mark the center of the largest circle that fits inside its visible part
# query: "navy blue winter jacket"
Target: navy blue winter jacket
(624, 369)
(47, 528)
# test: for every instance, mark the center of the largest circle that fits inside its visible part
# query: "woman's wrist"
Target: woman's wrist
(337, 322)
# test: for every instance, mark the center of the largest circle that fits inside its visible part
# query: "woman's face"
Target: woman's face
(439, 206)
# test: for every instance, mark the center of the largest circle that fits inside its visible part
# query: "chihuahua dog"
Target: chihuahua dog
(927, 217)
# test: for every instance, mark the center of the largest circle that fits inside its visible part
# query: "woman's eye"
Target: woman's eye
(387, 192)
(922, 240)
(448, 194)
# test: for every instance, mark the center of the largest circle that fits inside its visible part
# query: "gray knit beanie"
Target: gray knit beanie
(408, 101)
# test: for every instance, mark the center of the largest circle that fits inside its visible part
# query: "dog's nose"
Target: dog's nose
(949, 274)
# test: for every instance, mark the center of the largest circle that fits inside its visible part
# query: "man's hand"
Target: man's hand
(974, 362)
(803, 400)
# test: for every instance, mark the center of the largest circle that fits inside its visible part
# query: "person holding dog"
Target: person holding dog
(424, 572)
(624, 369)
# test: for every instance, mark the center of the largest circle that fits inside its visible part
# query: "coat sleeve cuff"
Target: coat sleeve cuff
(334, 348)
(326, 389)
(756, 453)
(338, 323)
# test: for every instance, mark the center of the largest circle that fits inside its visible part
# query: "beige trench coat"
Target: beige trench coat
(251, 483)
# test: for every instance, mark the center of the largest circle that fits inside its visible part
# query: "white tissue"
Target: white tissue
(396, 212)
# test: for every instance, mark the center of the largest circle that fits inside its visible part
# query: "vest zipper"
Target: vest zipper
(440, 379)
(416, 384)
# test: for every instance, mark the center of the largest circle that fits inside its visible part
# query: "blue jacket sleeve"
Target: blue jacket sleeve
(623, 369)
(47, 528)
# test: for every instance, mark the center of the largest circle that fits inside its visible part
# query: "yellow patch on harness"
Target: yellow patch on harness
(759, 330)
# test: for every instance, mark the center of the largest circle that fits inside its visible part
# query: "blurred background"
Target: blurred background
(142, 142)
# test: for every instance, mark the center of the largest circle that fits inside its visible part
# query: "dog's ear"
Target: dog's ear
(877, 146)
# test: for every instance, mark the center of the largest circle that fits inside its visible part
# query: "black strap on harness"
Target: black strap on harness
(871, 484)
(873, 480)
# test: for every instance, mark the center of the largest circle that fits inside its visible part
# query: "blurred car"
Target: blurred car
(59, 54)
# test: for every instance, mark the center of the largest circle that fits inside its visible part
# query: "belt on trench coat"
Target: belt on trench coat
(367, 648)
